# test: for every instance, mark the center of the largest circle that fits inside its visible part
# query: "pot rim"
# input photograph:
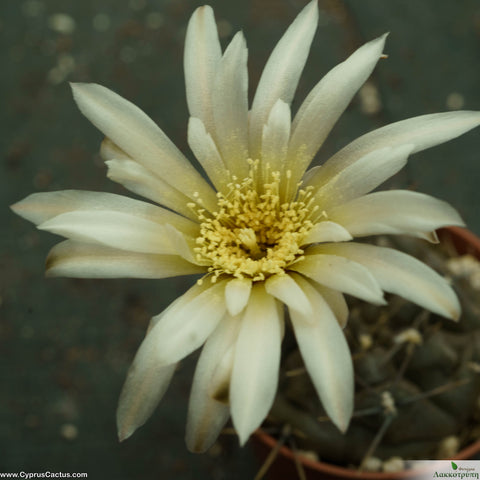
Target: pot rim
(464, 241)
(336, 471)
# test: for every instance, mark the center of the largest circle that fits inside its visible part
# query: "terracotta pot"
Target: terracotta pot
(283, 468)
(464, 240)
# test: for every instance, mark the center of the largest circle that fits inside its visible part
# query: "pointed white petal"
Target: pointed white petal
(336, 301)
(141, 394)
(395, 212)
(205, 421)
(117, 230)
(104, 217)
(327, 101)
(276, 134)
(345, 275)
(327, 231)
(138, 179)
(282, 72)
(145, 183)
(230, 107)
(285, 289)
(136, 134)
(424, 132)
(185, 325)
(256, 365)
(40, 207)
(206, 153)
(85, 260)
(399, 273)
(146, 380)
(327, 357)
(207, 416)
(201, 58)
(237, 293)
(360, 177)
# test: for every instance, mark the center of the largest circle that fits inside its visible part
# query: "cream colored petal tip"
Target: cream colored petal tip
(141, 395)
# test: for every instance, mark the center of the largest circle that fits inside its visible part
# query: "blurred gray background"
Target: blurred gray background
(65, 344)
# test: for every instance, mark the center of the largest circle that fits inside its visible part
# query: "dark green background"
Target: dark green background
(65, 344)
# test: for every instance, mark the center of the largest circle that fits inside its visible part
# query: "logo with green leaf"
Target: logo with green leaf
(454, 465)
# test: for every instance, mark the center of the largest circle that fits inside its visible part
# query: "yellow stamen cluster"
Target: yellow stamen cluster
(253, 234)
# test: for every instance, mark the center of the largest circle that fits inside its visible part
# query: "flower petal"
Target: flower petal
(145, 183)
(207, 154)
(184, 325)
(276, 134)
(327, 231)
(136, 134)
(360, 177)
(141, 181)
(336, 302)
(207, 416)
(282, 72)
(40, 207)
(326, 102)
(309, 174)
(424, 132)
(395, 212)
(399, 273)
(103, 217)
(118, 230)
(285, 289)
(230, 107)
(237, 293)
(219, 387)
(345, 275)
(141, 393)
(326, 355)
(256, 365)
(110, 151)
(85, 260)
(201, 59)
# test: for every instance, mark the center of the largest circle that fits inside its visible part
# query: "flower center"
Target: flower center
(253, 234)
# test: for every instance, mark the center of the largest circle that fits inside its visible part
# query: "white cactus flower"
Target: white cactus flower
(265, 232)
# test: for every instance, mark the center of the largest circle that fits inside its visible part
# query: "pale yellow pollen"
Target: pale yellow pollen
(253, 234)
